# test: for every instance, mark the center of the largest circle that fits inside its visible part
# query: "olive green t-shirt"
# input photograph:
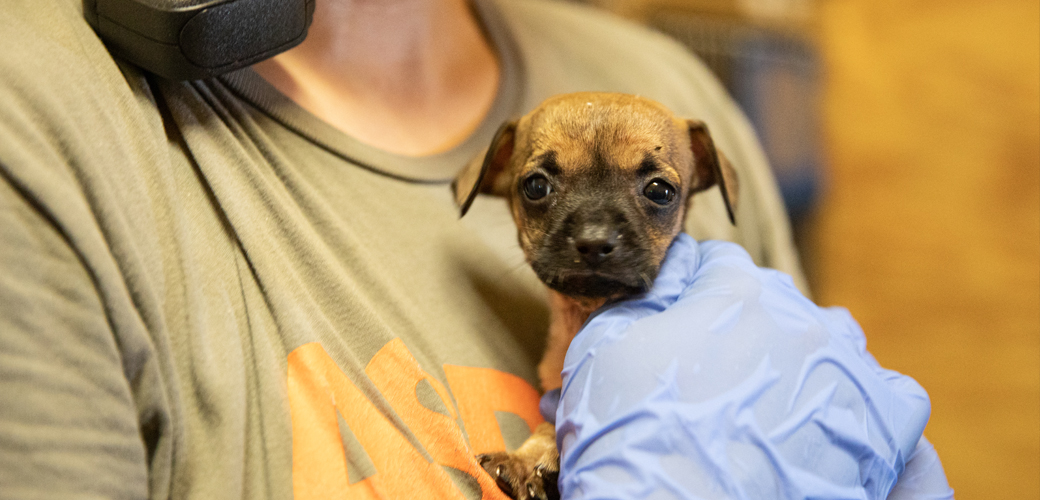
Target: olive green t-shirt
(206, 292)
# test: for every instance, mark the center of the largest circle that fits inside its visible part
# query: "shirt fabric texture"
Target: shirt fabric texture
(180, 261)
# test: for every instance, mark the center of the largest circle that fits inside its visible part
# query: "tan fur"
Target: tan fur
(568, 314)
(584, 134)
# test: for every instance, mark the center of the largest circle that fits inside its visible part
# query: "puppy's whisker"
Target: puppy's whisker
(515, 268)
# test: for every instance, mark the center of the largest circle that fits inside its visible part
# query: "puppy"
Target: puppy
(599, 185)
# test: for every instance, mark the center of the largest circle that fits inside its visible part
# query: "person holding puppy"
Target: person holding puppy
(256, 285)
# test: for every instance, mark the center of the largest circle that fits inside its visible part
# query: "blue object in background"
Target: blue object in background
(775, 77)
(776, 81)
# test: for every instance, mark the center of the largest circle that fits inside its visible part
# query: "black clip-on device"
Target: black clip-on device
(193, 39)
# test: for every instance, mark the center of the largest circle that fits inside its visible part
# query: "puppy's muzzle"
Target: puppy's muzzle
(594, 243)
(594, 253)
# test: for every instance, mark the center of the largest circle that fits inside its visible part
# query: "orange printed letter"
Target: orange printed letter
(317, 389)
(483, 391)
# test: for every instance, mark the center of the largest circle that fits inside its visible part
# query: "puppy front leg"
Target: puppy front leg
(531, 471)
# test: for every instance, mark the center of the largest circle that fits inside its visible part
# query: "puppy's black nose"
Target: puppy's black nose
(595, 243)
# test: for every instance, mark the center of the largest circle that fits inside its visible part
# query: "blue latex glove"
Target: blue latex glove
(725, 382)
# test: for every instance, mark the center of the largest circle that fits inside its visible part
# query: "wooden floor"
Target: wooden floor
(930, 231)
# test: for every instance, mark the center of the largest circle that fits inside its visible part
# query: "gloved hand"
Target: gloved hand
(725, 382)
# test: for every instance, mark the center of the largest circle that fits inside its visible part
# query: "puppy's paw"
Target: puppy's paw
(524, 476)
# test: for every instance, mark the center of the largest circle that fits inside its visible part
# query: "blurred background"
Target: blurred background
(905, 135)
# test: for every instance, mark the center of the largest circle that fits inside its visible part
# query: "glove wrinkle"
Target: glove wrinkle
(723, 381)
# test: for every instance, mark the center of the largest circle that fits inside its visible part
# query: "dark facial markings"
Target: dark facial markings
(647, 166)
(547, 162)
(594, 227)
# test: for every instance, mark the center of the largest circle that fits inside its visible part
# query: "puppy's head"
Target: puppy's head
(599, 185)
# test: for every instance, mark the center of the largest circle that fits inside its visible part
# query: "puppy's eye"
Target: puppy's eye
(537, 187)
(660, 192)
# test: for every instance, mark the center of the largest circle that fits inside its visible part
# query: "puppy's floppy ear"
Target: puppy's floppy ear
(481, 177)
(712, 168)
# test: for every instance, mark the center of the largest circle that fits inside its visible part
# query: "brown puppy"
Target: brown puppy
(599, 185)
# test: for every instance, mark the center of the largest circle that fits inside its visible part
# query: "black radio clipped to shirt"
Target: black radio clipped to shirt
(192, 39)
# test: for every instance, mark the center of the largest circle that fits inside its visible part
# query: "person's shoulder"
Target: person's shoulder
(58, 82)
(52, 63)
(45, 39)
(579, 19)
(586, 25)
(591, 49)
(72, 124)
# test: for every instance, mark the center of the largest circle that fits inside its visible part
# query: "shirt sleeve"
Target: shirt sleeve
(68, 426)
(724, 382)
(68, 421)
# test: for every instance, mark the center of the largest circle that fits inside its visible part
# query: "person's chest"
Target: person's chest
(327, 328)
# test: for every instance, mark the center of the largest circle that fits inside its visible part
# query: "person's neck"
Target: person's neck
(411, 77)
